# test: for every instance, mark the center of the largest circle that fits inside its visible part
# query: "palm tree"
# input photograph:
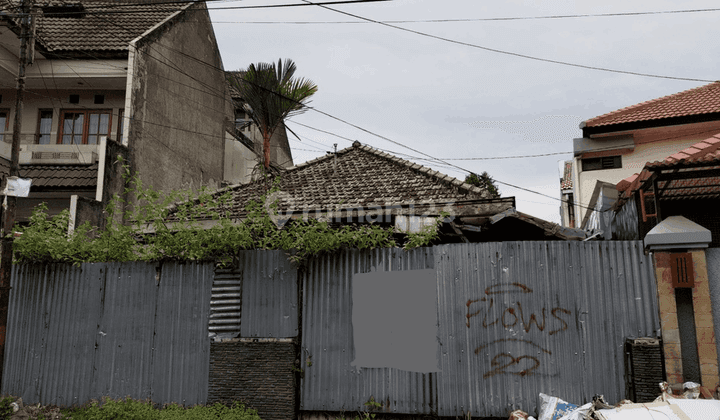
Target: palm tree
(272, 95)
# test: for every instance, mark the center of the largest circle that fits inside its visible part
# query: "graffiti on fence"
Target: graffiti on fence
(514, 315)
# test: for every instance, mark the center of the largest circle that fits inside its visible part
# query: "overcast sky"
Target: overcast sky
(455, 101)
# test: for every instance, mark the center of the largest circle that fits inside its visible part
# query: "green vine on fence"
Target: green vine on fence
(148, 235)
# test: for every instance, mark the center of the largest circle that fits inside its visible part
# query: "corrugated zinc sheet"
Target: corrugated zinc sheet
(226, 303)
(130, 329)
(269, 295)
(520, 318)
(329, 382)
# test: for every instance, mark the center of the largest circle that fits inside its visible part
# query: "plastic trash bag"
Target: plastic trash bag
(553, 408)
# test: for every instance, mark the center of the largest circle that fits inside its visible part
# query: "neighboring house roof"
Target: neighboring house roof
(566, 182)
(55, 176)
(704, 152)
(549, 230)
(700, 156)
(692, 102)
(96, 26)
(69, 176)
(355, 177)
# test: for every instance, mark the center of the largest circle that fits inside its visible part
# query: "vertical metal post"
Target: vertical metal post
(9, 219)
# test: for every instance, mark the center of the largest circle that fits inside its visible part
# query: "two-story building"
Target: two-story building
(618, 144)
(145, 81)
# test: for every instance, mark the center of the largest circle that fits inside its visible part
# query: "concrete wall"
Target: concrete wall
(178, 95)
(651, 144)
(239, 161)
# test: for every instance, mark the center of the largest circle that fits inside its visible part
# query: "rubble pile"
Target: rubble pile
(695, 403)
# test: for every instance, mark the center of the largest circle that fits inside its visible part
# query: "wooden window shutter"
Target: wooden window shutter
(681, 266)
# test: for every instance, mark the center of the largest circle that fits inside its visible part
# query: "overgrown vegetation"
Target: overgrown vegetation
(128, 409)
(149, 236)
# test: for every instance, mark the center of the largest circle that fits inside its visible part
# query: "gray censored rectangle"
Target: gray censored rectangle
(394, 316)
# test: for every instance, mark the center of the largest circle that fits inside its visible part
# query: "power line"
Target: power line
(131, 8)
(432, 159)
(513, 54)
(661, 12)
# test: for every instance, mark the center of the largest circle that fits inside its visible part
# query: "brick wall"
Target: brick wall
(705, 334)
(257, 373)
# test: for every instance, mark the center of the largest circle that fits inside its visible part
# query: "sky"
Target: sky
(416, 95)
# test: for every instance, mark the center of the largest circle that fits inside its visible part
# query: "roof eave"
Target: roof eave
(661, 122)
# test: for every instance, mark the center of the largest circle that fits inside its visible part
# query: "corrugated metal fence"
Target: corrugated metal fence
(514, 319)
(115, 329)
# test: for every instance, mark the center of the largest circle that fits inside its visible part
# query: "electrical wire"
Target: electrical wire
(431, 158)
(513, 54)
(661, 12)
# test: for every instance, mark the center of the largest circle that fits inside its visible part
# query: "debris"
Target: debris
(692, 390)
(676, 409)
(520, 415)
(553, 408)
(579, 413)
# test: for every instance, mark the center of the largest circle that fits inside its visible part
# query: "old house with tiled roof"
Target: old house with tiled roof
(617, 144)
(142, 80)
(361, 184)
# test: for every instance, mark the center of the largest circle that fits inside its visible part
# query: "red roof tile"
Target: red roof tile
(566, 182)
(697, 101)
(706, 152)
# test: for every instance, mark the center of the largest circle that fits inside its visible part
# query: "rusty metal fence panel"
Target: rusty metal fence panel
(130, 329)
(520, 318)
(329, 382)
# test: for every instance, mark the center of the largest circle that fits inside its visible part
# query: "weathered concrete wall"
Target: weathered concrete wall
(239, 161)
(87, 210)
(178, 97)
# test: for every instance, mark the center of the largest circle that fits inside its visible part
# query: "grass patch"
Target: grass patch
(129, 409)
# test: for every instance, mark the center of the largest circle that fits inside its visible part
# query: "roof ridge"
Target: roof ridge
(423, 169)
(635, 107)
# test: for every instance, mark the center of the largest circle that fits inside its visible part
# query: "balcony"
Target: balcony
(54, 154)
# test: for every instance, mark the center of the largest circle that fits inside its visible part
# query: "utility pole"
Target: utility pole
(9, 219)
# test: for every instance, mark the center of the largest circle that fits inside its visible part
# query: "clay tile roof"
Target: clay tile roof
(566, 182)
(706, 151)
(363, 177)
(99, 26)
(697, 101)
